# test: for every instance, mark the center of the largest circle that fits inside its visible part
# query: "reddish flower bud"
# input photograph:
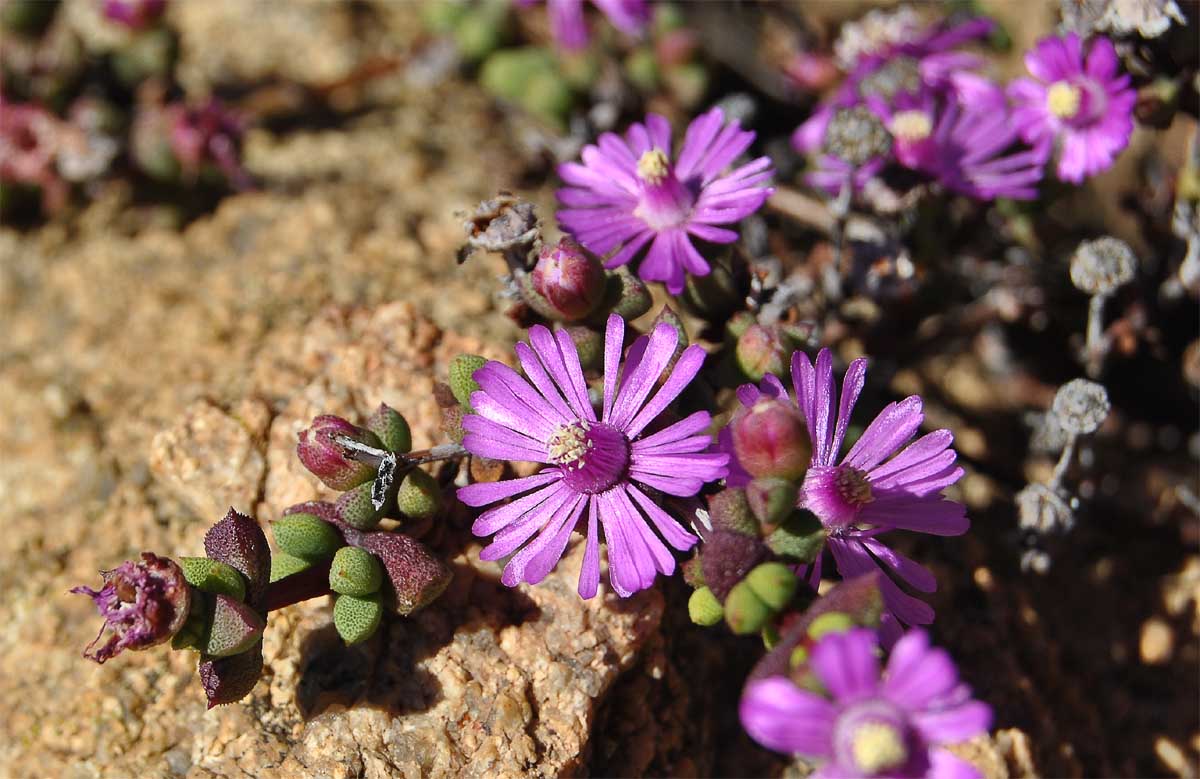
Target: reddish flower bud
(569, 278)
(760, 350)
(329, 460)
(143, 603)
(770, 439)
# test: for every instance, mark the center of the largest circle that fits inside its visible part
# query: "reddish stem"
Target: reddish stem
(312, 582)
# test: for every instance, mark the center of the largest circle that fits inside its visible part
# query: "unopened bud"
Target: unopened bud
(590, 345)
(718, 294)
(727, 557)
(357, 618)
(704, 608)
(830, 622)
(771, 500)
(774, 583)
(745, 612)
(355, 571)
(391, 428)
(233, 627)
(570, 279)
(1081, 406)
(629, 293)
(801, 537)
(328, 460)
(419, 496)
(462, 381)
(771, 441)
(760, 350)
(306, 536)
(729, 510)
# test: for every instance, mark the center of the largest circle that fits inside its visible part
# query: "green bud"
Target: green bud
(801, 537)
(631, 296)
(739, 323)
(145, 55)
(642, 69)
(771, 500)
(798, 657)
(830, 622)
(357, 618)
(307, 536)
(419, 496)
(704, 608)
(462, 383)
(391, 427)
(774, 583)
(728, 510)
(688, 83)
(233, 627)
(548, 97)
(745, 612)
(356, 508)
(284, 565)
(213, 577)
(443, 17)
(478, 32)
(760, 351)
(693, 572)
(355, 571)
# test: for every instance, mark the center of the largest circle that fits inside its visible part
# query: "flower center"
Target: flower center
(593, 456)
(911, 126)
(902, 74)
(873, 737)
(878, 747)
(856, 135)
(653, 167)
(1064, 100)
(853, 487)
(665, 201)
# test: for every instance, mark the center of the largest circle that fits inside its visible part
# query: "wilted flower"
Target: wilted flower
(594, 463)
(570, 28)
(629, 193)
(143, 603)
(208, 134)
(854, 149)
(1101, 266)
(30, 138)
(868, 494)
(1080, 105)
(865, 723)
(1081, 406)
(570, 279)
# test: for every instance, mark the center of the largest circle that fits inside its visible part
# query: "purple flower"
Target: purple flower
(1079, 104)
(570, 28)
(208, 134)
(968, 149)
(869, 725)
(866, 493)
(631, 192)
(143, 603)
(134, 14)
(601, 465)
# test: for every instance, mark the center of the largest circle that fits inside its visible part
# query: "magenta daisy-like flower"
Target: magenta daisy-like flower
(869, 724)
(970, 149)
(1079, 103)
(632, 193)
(569, 27)
(599, 464)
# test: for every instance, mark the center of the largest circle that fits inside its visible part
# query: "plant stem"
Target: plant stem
(312, 582)
(1064, 461)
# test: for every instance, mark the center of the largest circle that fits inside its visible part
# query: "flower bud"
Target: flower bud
(391, 428)
(727, 557)
(328, 460)
(357, 618)
(233, 627)
(356, 508)
(229, 679)
(771, 499)
(632, 298)
(704, 608)
(415, 576)
(306, 536)
(729, 510)
(213, 577)
(760, 351)
(570, 279)
(771, 440)
(143, 603)
(745, 612)
(801, 538)
(830, 622)
(774, 583)
(419, 496)
(462, 381)
(590, 345)
(355, 571)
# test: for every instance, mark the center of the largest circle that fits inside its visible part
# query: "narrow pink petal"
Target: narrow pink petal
(498, 518)
(513, 390)
(782, 717)
(911, 573)
(824, 402)
(921, 514)
(686, 368)
(680, 431)
(499, 443)
(576, 386)
(852, 384)
(886, 433)
(516, 533)
(700, 134)
(614, 335)
(917, 673)
(683, 487)
(944, 765)
(951, 726)
(847, 665)
(664, 563)
(542, 560)
(485, 492)
(925, 447)
(667, 526)
(589, 572)
(637, 387)
(548, 350)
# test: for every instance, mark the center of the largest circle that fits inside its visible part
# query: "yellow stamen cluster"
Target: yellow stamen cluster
(878, 747)
(569, 444)
(853, 486)
(1063, 99)
(911, 126)
(653, 167)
